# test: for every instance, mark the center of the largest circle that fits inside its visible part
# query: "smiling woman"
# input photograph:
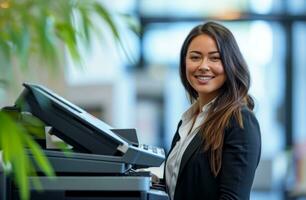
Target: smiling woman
(204, 68)
(216, 149)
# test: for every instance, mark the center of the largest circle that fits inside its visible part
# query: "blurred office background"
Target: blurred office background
(141, 88)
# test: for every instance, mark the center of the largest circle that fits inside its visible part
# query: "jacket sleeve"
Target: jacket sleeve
(240, 157)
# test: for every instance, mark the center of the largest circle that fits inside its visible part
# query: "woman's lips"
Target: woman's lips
(203, 78)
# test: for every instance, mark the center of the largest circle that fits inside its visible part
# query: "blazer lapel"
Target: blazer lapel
(192, 147)
(175, 139)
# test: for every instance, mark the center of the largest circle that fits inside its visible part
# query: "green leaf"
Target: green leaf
(13, 153)
(86, 24)
(47, 43)
(40, 158)
(66, 32)
(105, 15)
(23, 46)
(33, 125)
(132, 23)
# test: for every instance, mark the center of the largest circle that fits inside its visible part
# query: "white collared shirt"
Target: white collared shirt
(175, 157)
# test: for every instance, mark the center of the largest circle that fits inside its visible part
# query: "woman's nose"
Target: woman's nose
(204, 66)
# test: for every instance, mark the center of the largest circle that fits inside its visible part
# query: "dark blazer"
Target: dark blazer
(240, 157)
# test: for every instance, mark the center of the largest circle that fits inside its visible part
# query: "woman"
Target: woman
(216, 148)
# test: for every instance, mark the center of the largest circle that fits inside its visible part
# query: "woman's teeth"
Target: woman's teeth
(204, 78)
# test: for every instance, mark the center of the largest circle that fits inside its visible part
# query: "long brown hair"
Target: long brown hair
(233, 94)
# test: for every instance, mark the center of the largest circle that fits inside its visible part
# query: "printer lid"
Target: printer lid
(74, 125)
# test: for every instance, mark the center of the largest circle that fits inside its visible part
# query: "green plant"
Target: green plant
(36, 28)
(14, 138)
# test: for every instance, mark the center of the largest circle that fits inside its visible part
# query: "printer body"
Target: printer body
(102, 161)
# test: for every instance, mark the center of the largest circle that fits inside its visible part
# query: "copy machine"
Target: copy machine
(103, 160)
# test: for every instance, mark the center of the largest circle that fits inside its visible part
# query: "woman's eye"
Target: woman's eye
(215, 59)
(195, 58)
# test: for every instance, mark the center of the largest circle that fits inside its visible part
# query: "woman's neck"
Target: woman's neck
(203, 100)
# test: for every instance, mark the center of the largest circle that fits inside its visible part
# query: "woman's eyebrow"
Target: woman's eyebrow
(213, 52)
(197, 52)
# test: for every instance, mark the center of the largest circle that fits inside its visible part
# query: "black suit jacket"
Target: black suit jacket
(240, 157)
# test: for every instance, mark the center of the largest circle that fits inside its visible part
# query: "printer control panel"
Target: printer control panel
(152, 149)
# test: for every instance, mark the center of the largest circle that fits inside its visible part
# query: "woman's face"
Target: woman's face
(204, 69)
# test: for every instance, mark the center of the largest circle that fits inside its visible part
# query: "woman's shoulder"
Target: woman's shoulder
(248, 115)
(248, 120)
(247, 112)
(249, 133)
